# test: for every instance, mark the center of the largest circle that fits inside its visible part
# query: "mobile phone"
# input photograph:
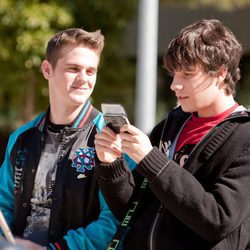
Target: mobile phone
(114, 116)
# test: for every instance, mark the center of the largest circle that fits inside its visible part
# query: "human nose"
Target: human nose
(176, 85)
(82, 76)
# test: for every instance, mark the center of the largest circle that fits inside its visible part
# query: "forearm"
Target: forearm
(116, 184)
(219, 208)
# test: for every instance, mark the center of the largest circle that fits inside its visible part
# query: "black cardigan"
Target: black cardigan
(204, 205)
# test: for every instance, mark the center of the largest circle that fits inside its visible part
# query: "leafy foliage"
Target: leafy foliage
(25, 28)
(225, 5)
(116, 74)
(27, 25)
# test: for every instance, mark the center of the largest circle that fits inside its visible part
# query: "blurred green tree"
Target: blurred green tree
(26, 26)
(225, 5)
(116, 76)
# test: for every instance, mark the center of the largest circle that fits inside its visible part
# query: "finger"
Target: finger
(109, 131)
(102, 142)
(113, 151)
(130, 148)
(131, 153)
(105, 136)
(108, 144)
(130, 129)
(128, 144)
(125, 136)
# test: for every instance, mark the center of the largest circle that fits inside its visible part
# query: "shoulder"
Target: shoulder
(171, 124)
(33, 123)
(237, 124)
(242, 118)
(235, 131)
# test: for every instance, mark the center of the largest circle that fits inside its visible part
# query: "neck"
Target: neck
(64, 115)
(224, 103)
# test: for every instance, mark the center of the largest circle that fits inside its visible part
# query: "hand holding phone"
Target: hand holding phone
(114, 116)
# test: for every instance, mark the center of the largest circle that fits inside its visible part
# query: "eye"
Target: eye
(91, 71)
(188, 74)
(73, 68)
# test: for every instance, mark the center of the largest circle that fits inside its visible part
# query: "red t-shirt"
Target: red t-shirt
(194, 130)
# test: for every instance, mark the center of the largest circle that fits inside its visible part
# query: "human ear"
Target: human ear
(221, 74)
(46, 69)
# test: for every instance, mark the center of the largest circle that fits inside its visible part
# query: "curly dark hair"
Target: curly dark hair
(207, 43)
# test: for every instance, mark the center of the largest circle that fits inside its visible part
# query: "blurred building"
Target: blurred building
(172, 19)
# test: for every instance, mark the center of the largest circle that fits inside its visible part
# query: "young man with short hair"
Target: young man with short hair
(197, 160)
(48, 192)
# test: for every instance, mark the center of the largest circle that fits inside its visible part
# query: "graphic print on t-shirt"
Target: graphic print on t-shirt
(38, 220)
(41, 202)
(181, 156)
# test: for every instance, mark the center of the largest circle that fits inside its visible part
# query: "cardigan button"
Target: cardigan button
(24, 204)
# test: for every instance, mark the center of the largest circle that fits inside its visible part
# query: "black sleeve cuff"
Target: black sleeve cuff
(152, 164)
(110, 171)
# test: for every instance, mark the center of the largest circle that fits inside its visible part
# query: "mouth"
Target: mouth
(181, 98)
(80, 88)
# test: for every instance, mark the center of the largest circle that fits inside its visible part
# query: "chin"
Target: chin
(79, 99)
(186, 109)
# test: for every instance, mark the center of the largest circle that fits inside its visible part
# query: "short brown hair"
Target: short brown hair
(73, 37)
(207, 43)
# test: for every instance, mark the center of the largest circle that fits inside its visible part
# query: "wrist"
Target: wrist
(111, 171)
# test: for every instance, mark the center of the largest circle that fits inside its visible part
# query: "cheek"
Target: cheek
(61, 79)
(211, 92)
(206, 91)
(91, 82)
